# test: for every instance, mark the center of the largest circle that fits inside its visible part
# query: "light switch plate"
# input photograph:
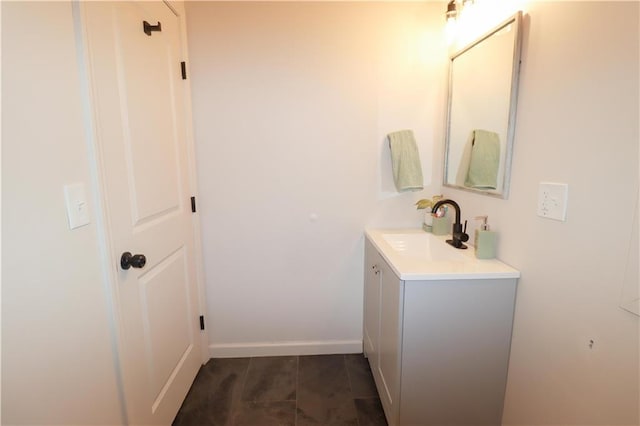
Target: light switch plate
(552, 200)
(77, 207)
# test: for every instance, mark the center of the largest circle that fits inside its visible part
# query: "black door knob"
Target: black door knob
(127, 260)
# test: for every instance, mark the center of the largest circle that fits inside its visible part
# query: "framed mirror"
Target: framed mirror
(483, 92)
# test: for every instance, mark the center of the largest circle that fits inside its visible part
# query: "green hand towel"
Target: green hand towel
(484, 161)
(405, 161)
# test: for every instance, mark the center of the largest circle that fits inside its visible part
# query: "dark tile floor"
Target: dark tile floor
(286, 390)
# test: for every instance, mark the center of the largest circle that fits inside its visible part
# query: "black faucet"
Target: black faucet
(458, 234)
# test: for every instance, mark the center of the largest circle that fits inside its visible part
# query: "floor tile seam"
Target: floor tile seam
(346, 367)
(353, 400)
(266, 401)
(236, 401)
(295, 411)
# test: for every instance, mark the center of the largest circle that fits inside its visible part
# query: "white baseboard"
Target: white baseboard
(324, 347)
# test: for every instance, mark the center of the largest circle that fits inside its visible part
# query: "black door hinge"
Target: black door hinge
(201, 322)
(183, 69)
(193, 204)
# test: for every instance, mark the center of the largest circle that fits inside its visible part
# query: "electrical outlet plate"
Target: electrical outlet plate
(552, 200)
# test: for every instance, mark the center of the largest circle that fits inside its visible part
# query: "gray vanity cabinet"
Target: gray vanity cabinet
(382, 329)
(438, 349)
(372, 285)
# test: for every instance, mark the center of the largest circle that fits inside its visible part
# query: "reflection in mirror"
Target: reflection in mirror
(483, 83)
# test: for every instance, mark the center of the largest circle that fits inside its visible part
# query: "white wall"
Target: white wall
(57, 361)
(577, 123)
(308, 91)
(292, 103)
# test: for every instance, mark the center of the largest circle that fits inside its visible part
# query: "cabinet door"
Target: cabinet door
(371, 331)
(391, 308)
(455, 351)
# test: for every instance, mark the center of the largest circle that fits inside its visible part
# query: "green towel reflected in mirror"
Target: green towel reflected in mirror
(480, 161)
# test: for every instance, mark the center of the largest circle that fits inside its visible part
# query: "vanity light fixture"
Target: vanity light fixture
(452, 11)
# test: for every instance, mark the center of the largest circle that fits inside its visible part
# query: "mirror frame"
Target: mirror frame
(516, 21)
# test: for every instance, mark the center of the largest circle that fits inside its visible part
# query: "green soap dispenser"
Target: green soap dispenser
(486, 241)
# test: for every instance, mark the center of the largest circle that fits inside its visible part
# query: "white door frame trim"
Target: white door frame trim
(98, 191)
(178, 9)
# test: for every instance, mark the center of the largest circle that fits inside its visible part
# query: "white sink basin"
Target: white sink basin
(423, 246)
(417, 255)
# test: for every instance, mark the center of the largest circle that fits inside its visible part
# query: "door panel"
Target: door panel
(164, 303)
(137, 95)
(147, 92)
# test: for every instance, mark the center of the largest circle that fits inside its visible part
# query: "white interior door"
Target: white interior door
(137, 93)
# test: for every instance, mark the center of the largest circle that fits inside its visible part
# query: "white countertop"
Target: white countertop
(417, 255)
